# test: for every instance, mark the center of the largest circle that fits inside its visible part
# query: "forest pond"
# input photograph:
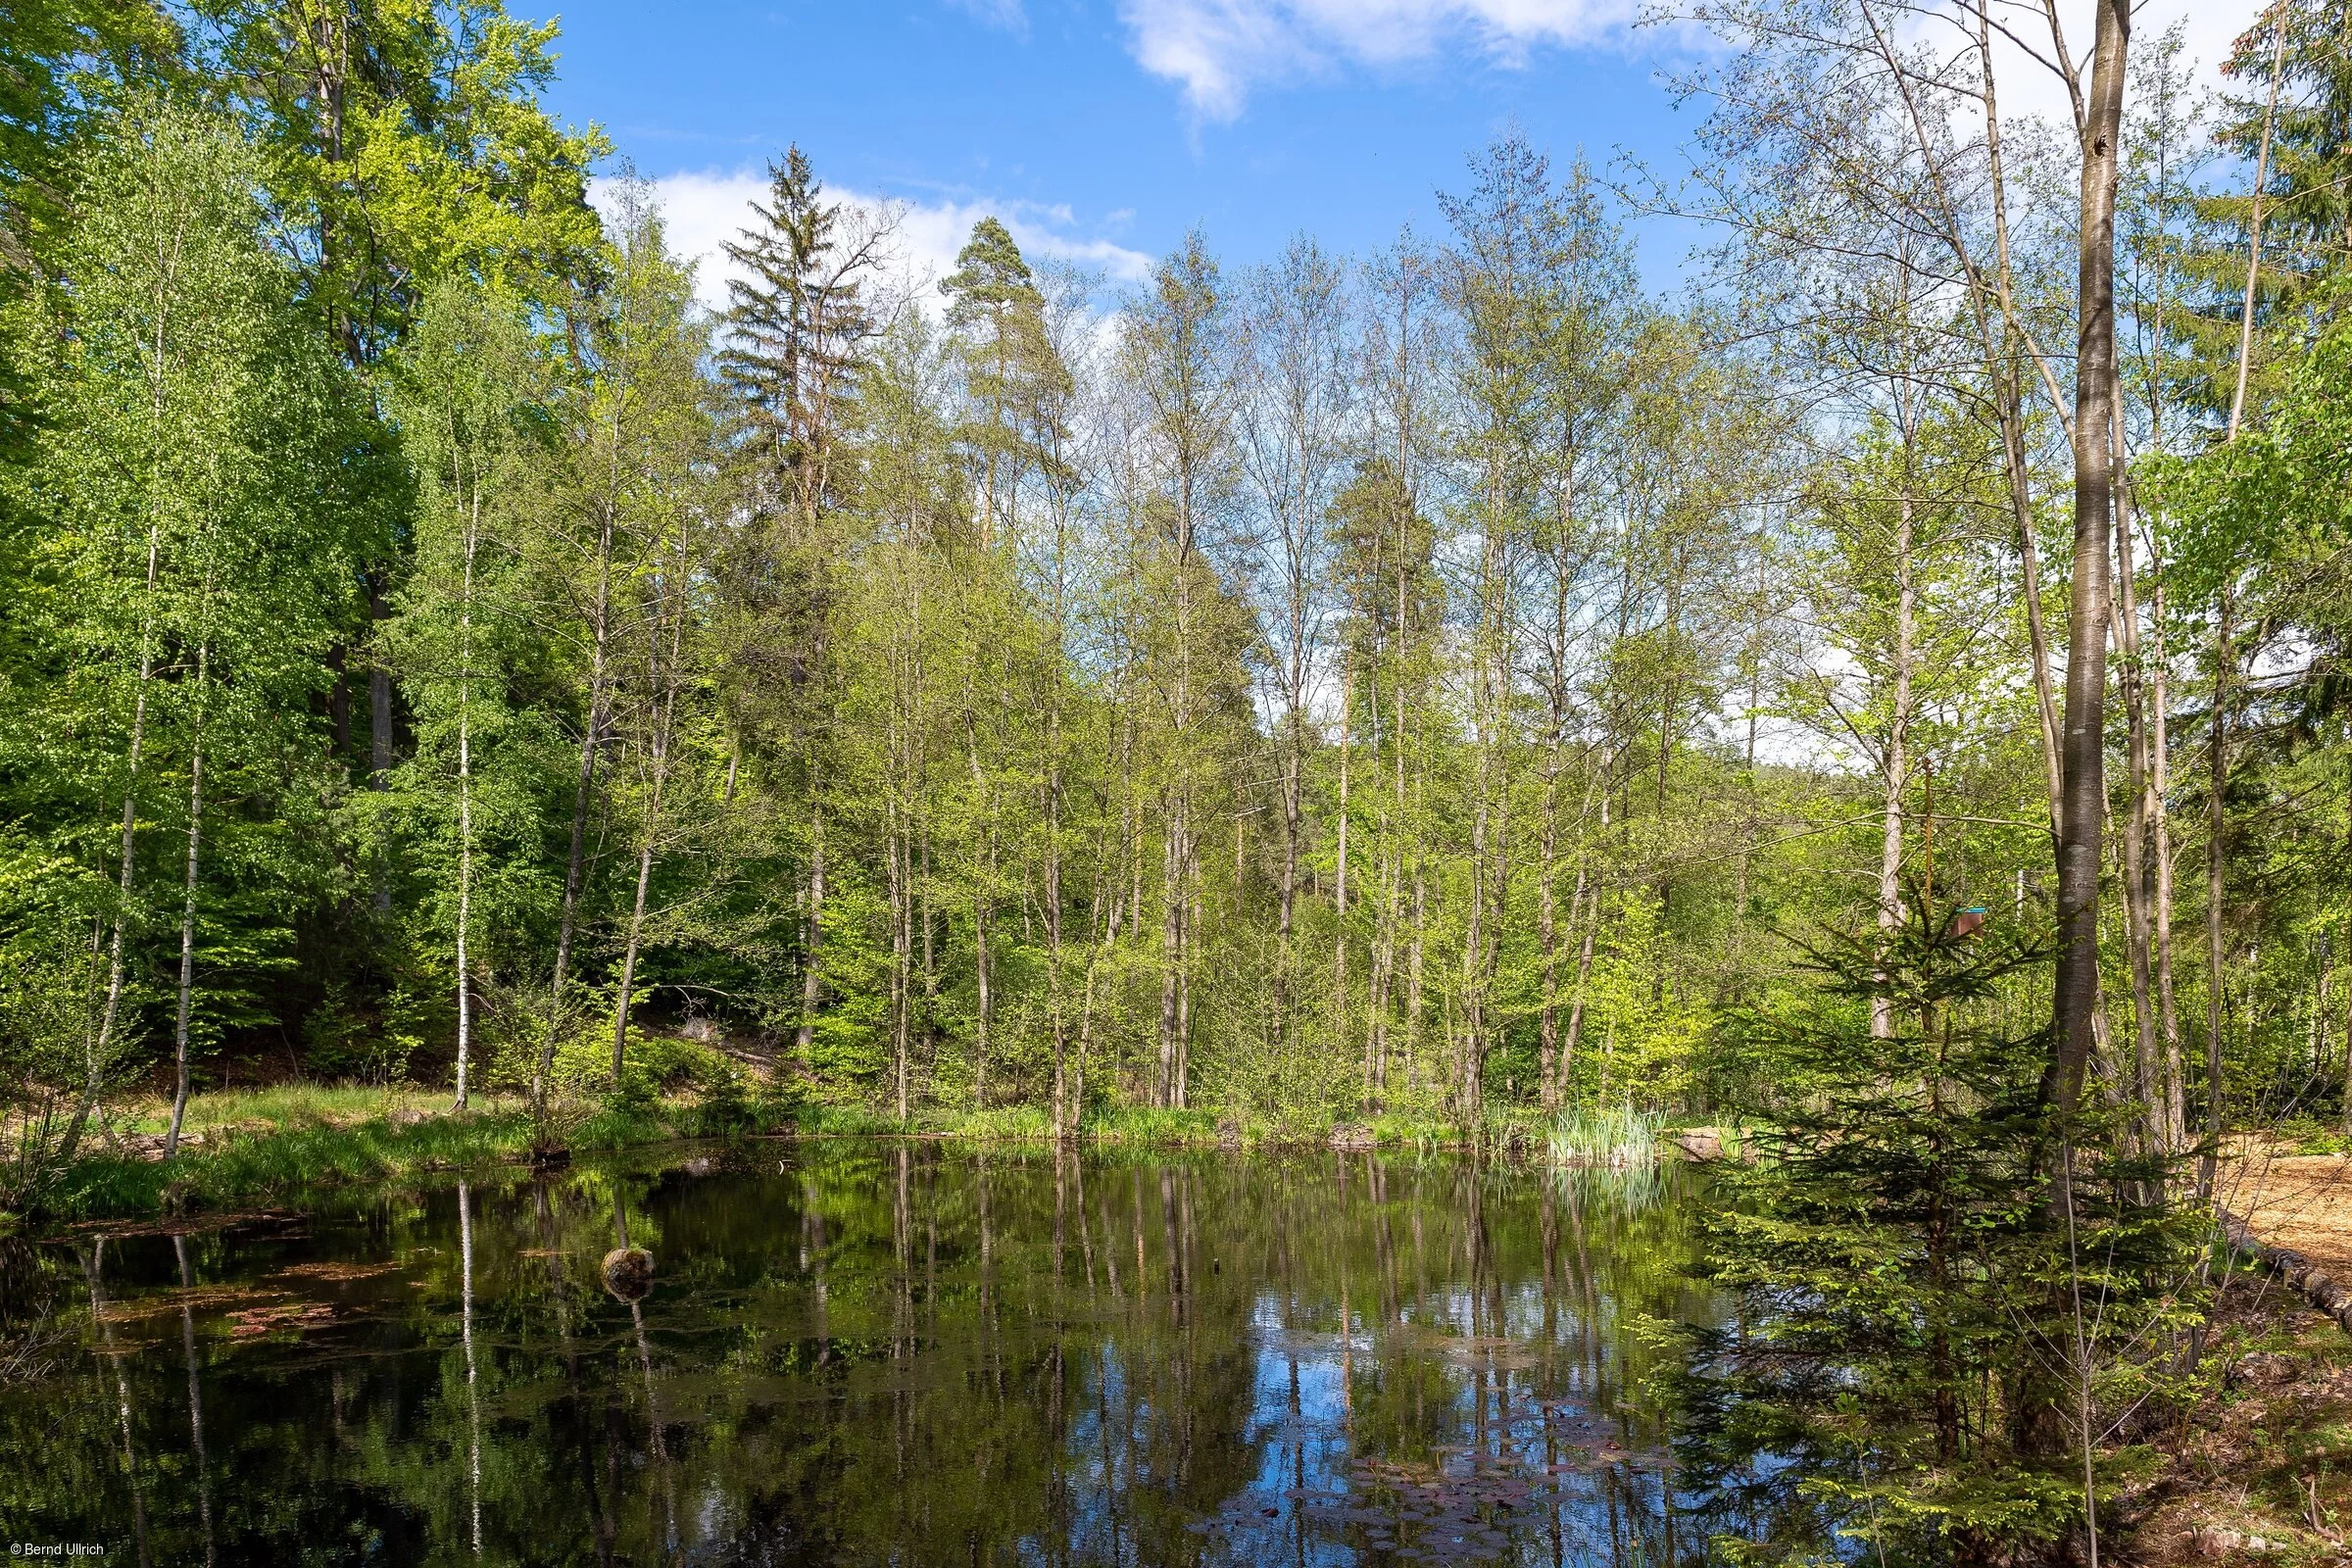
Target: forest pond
(859, 1352)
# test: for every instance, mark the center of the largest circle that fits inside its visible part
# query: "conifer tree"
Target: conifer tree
(998, 316)
(793, 328)
(1897, 1262)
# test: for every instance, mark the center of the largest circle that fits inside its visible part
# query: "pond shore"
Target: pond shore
(241, 1150)
(2252, 1470)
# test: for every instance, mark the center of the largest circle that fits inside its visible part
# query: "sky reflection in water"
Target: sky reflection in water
(872, 1352)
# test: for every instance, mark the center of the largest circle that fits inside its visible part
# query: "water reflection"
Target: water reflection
(876, 1353)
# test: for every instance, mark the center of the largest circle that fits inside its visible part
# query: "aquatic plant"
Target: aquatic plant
(1617, 1136)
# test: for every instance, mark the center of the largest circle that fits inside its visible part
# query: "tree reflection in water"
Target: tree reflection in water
(872, 1352)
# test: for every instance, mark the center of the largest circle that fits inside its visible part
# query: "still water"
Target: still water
(870, 1352)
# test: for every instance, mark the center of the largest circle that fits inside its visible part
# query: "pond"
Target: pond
(872, 1351)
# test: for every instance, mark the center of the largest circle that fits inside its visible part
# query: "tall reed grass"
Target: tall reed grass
(1618, 1137)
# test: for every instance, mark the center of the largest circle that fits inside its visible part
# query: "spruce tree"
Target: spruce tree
(793, 328)
(1916, 1281)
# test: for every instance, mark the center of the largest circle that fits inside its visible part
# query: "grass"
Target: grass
(262, 1148)
(1615, 1136)
(279, 1108)
(1011, 1124)
(1146, 1124)
(1405, 1130)
(2308, 1135)
(236, 1166)
(850, 1121)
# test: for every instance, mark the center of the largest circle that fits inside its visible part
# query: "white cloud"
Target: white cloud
(704, 210)
(1218, 49)
(707, 208)
(2030, 87)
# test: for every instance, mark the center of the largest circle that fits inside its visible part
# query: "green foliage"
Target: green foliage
(1931, 1311)
(2306, 1135)
(237, 1169)
(409, 149)
(1617, 1137)
(1153, 1126)
(49, 1001)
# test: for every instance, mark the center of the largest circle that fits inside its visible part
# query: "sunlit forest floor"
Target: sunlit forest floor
(2302, 1202)
(2260, 1470)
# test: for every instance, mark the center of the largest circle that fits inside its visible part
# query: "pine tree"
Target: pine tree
(998, 316)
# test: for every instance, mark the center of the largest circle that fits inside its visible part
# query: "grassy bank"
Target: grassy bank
(266, 1148)
(255, 1149)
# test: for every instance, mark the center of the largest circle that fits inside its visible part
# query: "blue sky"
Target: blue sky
(1102, 130)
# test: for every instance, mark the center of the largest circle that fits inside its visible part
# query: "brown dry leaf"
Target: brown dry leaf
(296, 1315)
(335, 1273)
(201, 1297)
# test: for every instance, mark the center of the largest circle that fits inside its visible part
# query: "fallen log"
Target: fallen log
(2300, 1272)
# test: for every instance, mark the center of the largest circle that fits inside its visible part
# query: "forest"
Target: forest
(1866, 694)
(1454, 681)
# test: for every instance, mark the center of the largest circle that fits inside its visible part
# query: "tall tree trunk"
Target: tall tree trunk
(575, 863)
(1416, 994)
(2075, 1000)
(901, 944)
(2147, 1059)
(101, 1042)
(2009, 393)
(1184, 972)
(1588, 888)
(466, 807)
(922, 910)
(2217, 824)
(621, 1005)
(1548, 1017)
(981, 970)
(379, 726)
(1339, 889)
(1294, 746)
(1064, 1119)
(1583, 901)
(812, 933)
(2175, 1086)
(188, 907)
(1897, 761)
(1470, 1043)
(983, 889)
(1171, 955)
(2262, 171)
